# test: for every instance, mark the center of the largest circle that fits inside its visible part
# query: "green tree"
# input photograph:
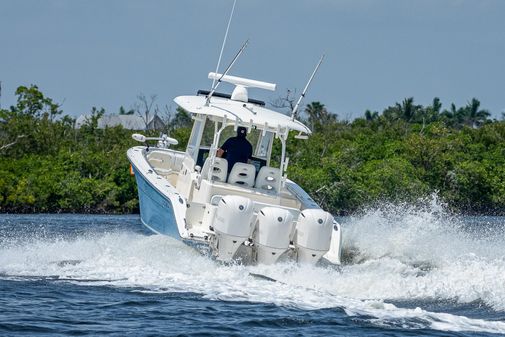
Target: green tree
(181, 119)
(122, 111)
(318, 117)
(371, 116)
(471, 115)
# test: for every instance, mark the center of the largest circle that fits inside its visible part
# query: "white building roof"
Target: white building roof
(130, 122)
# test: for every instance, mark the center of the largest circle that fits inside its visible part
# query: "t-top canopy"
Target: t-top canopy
(240, 112)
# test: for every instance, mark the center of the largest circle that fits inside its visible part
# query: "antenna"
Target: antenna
(214, 87)
(224, 40)
(295, 109)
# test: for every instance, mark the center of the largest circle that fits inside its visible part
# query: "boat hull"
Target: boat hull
(156, 210)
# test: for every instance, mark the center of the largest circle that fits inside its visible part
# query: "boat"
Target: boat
(250, 213)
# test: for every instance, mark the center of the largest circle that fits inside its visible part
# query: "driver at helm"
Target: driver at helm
(236, 149)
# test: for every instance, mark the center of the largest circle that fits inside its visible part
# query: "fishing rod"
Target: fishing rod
(224, 40)
(295, 109)
(226, 72)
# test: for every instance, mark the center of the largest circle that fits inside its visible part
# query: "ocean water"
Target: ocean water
(408, 271)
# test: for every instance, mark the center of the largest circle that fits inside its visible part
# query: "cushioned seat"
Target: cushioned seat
(219, 169)
(268, 179)
(242, 174)
(161, 162)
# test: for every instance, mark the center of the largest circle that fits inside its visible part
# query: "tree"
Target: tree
(6, 146)
(122, 111)
(432, 112)
(371, 116)
(318, 117)
(472, 115)
(91, 123)
(436, 105)
(181, 119)
(144, 108)
(285, 102)
(30, 124)
(407, 108)
(31, 102)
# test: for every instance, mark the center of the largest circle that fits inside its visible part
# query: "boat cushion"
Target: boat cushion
(268, 179)
(242, 174)
(164, 161)
(219, 170)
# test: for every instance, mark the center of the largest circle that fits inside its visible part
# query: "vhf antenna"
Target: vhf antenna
(224, 40)
(295, 109)
(214, 87)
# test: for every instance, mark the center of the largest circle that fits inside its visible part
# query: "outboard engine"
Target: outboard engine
(313, 235)
(232, 225)
(274, 226)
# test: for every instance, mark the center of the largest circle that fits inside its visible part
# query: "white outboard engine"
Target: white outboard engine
(313, 235)
(233, 225)
(274, 226)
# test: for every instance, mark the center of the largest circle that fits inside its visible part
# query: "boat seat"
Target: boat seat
(268, 179)
(166, 161)
(242, 174)
(219, 170)
(161, 162)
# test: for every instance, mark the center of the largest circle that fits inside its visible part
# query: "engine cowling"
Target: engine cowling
(232, 225)
(313, 235)
(274, 226)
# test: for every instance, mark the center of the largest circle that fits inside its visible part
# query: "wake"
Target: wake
(398, 254)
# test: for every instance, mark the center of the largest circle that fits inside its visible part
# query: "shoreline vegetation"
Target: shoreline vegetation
(404, 154)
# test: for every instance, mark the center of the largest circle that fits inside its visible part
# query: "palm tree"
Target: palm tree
(408, 110)
(370, 116)
(451, 116)
(471, 115)
(318, 116)
(436, 105)
(432, 113)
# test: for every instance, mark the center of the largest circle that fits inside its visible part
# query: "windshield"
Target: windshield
(261, 143)
(203, 134)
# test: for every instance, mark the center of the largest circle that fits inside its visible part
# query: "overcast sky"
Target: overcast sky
(104, 53)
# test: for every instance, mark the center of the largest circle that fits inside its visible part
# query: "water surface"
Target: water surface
(407, 272)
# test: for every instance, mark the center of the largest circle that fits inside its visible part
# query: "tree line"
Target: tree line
(402, 154)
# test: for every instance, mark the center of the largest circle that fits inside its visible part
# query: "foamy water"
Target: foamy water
(398, 254)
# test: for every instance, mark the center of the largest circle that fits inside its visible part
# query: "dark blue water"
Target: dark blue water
(407, 272)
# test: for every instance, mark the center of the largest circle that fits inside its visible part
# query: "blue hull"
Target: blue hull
(156, 210)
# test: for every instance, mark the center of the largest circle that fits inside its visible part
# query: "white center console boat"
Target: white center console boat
(254, 213)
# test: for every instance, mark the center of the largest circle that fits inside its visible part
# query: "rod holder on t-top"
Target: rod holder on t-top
(225, 72)
(295, 109)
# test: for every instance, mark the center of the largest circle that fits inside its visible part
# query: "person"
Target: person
(236, 149)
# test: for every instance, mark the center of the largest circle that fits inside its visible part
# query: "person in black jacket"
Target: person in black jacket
(236, 149)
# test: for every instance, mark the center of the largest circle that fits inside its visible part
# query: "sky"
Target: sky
(105, 53)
